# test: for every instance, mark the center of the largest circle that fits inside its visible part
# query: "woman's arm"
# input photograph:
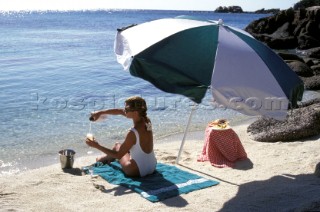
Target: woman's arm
(95, 115)
(124, 148)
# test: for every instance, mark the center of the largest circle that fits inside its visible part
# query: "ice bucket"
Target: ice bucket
(66, 158)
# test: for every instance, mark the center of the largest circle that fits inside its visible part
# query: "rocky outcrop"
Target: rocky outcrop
(300, 30)
(301, 123)
(307, 68)
(230, 9)
(269, 11)
(289, 29)
(301, 68)
(311, 83)
(238, 9)
(317, 172)
(313, 52)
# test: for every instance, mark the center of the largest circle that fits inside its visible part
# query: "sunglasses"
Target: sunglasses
(128, 110)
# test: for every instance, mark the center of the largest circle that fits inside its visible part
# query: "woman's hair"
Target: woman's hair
(137, 103)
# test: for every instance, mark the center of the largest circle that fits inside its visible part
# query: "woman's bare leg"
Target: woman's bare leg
(129, 166)
(106, 159)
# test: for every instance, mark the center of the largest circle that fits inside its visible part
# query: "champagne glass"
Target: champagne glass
(90, 137)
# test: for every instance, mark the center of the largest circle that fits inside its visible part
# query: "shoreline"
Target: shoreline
(53, 158)
(277, 176)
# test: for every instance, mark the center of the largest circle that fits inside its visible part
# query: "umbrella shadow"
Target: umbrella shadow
(209, 175)
(240, 165)
(279, 193)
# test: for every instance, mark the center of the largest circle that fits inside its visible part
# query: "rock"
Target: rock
(317, 170)
(311, 83)
(310, 102)
(269, 25)
(313, 52)
(230, 9)
(301, 123)
(269, 11)
(306, 42)
(316, 69)
(287, 56)
(289, 29)
(283, 31)
(301, 69)
(289, 42)
(308, 61)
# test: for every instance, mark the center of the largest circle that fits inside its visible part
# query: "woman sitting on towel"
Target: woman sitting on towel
(135, 154)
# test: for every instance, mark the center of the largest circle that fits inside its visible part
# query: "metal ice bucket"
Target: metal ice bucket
(66, 158)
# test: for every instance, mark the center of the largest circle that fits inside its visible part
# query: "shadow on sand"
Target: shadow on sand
(240, 165)
(280, 193)
(73, 171)
(160, 186)
(175, 201)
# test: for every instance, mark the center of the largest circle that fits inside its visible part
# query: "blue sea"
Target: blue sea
(57, 67)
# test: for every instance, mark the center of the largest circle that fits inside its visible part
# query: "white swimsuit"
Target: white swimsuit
(146, 162)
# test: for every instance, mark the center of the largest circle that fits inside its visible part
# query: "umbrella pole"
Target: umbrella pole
(185, 134)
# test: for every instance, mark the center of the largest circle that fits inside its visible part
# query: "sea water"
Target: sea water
(57, 67)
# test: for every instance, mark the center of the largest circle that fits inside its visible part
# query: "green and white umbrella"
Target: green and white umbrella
(187, 56)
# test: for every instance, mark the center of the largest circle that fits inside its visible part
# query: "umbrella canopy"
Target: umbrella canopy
(187, 56)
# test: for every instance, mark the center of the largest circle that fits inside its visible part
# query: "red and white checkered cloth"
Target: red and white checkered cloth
(222, 148)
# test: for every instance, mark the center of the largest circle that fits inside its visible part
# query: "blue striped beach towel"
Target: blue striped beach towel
(166, 182)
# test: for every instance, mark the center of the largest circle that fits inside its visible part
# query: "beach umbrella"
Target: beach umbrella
(187, 56)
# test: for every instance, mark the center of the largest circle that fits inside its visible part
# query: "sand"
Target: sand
(277, 177)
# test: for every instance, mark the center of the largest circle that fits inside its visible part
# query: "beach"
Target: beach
(277, 177)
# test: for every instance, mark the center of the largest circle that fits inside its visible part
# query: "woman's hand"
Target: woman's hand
(94, 116)
(92, 143)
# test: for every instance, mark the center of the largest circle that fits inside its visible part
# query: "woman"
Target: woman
(135, 154)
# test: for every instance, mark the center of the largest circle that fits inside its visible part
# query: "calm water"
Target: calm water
(56, 67)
